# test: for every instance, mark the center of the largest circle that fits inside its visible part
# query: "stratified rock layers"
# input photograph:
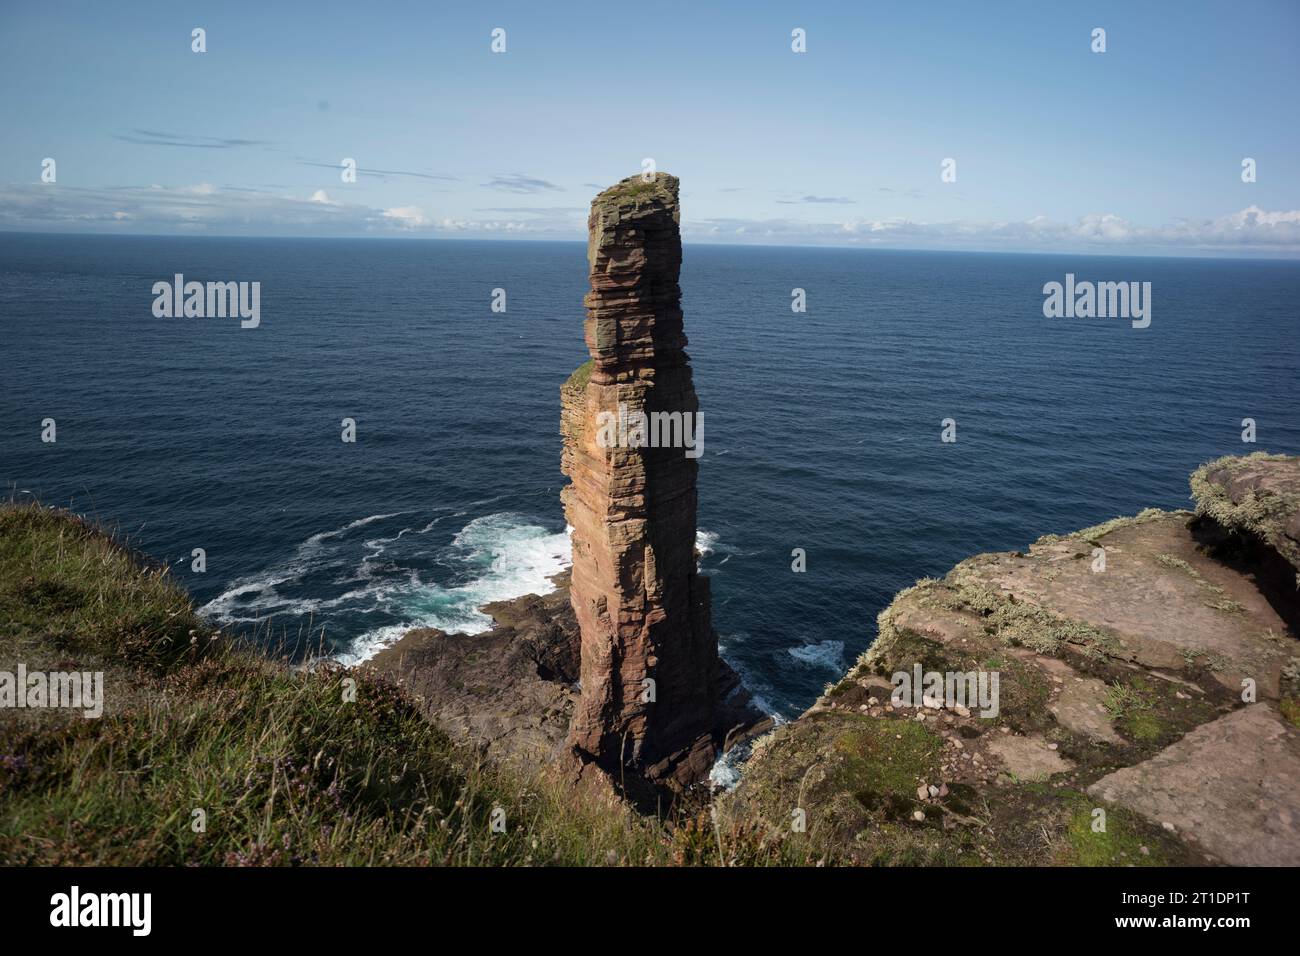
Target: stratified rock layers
(649, 662)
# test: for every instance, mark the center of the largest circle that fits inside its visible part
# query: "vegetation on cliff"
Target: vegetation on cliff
(1148, 687)
(284, 768)
(1117, 739)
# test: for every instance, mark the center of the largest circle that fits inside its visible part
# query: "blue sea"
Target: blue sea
(822, 428)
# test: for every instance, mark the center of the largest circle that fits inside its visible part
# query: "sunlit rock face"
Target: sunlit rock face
(649, 665)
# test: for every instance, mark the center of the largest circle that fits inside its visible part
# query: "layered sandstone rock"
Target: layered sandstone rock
(620, 667)
(1161, 686)
(650, 673)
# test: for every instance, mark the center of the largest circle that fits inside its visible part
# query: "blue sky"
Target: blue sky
(1137, 149)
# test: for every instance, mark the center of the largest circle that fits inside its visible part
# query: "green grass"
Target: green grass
(886, 758)
(1290, 708)
(581, 375)
(285, 767)
(286, 772)
(75, 589)
(1119, 844)
(1129, 707)
(634, 187)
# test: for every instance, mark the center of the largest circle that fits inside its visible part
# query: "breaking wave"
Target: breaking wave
(358, 588)
(828, 655)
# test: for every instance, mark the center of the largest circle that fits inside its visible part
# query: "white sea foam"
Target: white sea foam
(253, 598)
(725, 773)
(505, 557)
(705, 542)
(827, 654)
(755, 686)
(316, 539)
(496, 557)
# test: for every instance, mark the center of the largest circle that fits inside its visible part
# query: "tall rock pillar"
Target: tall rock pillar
(650, 671)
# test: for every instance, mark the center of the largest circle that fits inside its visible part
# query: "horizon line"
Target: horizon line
(1211, 254)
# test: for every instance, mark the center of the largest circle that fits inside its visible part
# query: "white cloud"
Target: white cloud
(1250, 230)
(407, 217)
(204, 208)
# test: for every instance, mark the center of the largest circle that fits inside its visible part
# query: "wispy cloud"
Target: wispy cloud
(381, 173)
(516, 183)
(830, 200)
(201, 208)
(205, 209)
(147, 137)
(535, 209)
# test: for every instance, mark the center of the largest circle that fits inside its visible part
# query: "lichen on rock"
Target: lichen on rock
(1159, 688)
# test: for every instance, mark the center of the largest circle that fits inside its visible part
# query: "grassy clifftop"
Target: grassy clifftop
(208, 753)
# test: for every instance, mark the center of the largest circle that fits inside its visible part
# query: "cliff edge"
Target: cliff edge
(1145, 711)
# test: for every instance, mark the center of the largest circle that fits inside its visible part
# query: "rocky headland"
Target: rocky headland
(1149, 702)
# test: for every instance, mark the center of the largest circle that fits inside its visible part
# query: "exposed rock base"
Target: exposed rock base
(510, 691)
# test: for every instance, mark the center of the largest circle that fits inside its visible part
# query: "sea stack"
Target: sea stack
(650, 673)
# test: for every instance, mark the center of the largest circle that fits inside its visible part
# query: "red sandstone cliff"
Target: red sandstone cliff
(652, 682)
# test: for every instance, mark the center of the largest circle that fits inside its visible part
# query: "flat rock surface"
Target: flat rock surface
(1162, 599)
(1029, 758)
(1231, 785)
(1081, 707)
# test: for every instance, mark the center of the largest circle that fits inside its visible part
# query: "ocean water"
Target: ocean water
(822, 429)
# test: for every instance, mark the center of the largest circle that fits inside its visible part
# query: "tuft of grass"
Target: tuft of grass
(1227, 605)
(1290, 708)
(1019, 623)
(1093, 534)
(581, 376)
(1132, 712)
(1169, 561)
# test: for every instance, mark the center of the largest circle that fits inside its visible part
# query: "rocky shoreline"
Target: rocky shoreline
(512, 692)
